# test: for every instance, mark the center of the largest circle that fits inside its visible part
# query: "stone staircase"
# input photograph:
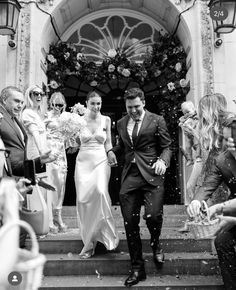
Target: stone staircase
(189, 264)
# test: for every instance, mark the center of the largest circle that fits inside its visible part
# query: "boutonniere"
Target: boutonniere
(104, 129)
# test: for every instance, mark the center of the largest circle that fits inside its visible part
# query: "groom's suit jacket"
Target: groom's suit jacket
(13, 141)
(153, 142)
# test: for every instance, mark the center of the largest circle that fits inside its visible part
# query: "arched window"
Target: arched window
(129, 34)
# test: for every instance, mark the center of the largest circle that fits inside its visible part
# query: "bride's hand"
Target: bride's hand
(112, 159)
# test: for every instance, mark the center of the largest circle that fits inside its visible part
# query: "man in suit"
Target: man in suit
(13, 133)
(223, 168)
(145, 142)
(14, 137)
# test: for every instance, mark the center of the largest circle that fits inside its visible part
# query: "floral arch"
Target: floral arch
(156, 63)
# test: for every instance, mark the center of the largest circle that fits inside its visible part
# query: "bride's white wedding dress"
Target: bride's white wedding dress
(92, 174)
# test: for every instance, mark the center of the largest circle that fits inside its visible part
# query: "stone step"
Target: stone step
(171, 241)
(168, 221)
(119, 264)
(174, 216)
(175, 209)
(178, 282)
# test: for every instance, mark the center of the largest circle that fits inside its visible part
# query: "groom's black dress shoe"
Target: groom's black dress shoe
(135, 277)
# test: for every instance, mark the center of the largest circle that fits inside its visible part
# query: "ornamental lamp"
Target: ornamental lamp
(9, 14)
(223, 14)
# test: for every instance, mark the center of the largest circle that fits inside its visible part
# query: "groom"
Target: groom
(145, 142)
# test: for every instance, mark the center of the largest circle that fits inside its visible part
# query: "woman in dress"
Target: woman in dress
(92, 173)
(57, 170)
(33, 119)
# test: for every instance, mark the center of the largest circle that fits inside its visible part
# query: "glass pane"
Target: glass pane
(16, 16)
(10, 14)
(3, 15)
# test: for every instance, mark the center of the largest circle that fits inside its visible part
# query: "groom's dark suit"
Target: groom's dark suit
(139, 183)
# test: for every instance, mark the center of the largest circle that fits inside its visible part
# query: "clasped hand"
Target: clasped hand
(112, 161)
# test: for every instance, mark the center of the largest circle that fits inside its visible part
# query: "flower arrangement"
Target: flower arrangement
(164, 64)
(70, 124)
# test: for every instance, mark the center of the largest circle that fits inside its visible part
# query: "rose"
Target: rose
(178, 67)
(183, 83)
(79, 56)
(125, 72)
(111, 68)
(171, 86)
(112, 53)
(66, 55)
(93, 84)
(51, 58)
(53, 84)
(119, 69)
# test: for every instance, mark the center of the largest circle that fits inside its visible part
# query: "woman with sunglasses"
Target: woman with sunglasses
(57, 170)
(33, 118)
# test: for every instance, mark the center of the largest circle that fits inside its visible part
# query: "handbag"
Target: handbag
(37, 218)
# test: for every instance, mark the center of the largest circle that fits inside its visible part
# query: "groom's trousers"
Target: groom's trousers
(135, 192)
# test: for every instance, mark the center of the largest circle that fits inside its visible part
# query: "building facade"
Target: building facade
(43, 22)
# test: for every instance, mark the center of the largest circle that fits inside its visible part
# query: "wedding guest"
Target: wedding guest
(57, 170)
(223, 168)
(13, 132)
(14, 137)
(92, 173)
(145, 142)
(188, 122)
(33, 119)
(210, 110)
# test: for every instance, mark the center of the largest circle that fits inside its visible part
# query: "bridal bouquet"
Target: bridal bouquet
(70, 124)
(78, 109)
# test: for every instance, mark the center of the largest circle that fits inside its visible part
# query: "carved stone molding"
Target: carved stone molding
(23, 55)
(207, 49)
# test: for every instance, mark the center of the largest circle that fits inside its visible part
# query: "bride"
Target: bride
(92, 174)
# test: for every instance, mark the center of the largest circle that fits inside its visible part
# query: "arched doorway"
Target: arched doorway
(76, 90)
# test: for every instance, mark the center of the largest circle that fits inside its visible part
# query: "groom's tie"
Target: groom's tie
(135, 132)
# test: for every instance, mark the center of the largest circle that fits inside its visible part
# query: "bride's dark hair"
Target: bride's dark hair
(92, 94)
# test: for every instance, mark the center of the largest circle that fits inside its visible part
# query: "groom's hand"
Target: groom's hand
(160, 167)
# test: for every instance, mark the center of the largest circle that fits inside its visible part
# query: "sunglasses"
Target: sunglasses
(38, 94)
(58, 105)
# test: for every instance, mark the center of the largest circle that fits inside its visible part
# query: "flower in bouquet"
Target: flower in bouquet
(70, 124)
(78, 109)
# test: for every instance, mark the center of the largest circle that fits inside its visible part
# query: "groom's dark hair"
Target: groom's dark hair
(134, 93)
